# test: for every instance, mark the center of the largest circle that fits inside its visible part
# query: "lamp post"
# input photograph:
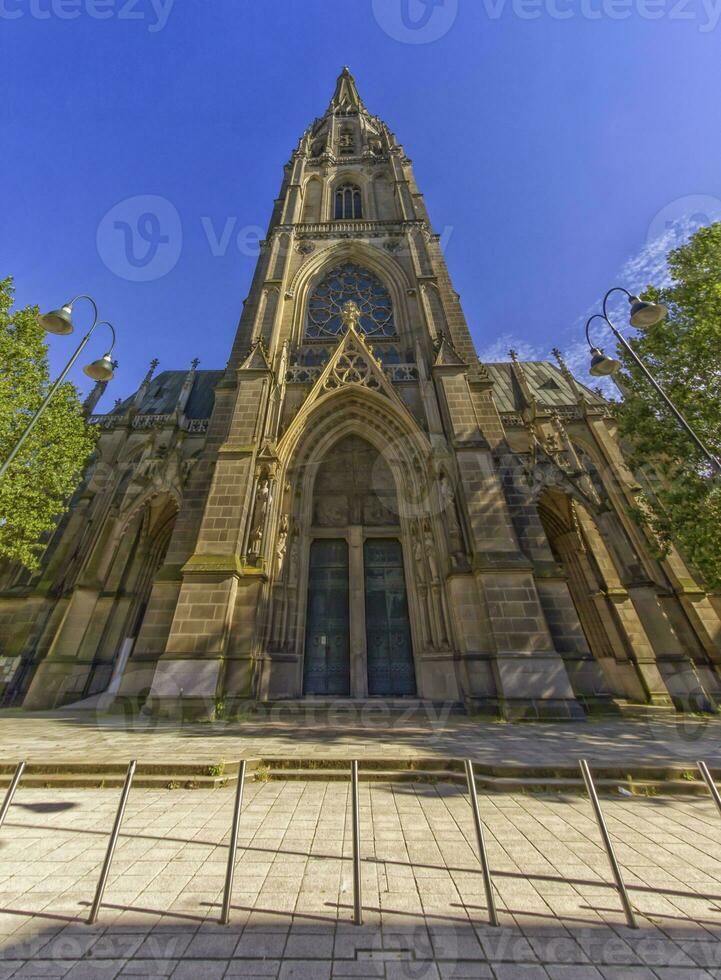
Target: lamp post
(61, 322)
(642, 314)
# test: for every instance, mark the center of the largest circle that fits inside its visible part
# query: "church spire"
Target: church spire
(346, 93)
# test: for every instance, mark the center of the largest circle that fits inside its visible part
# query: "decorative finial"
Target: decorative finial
(513, 354)
(194, 364)
(149, 376)
(568, 375)
(559, 358)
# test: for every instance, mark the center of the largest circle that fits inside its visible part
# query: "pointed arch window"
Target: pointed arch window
(350, 282)
(348, 202)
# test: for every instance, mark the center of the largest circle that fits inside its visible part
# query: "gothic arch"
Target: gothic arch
(349, 177)
(390, 425)
(140, 542)
(312, 200)
(407, 455)
(380, 264)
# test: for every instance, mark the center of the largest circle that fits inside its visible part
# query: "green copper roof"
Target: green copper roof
(164, 390)
(545, 382)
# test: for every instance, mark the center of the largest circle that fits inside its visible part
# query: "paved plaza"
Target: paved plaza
(423, 896)
(357, 732)
(424, 905)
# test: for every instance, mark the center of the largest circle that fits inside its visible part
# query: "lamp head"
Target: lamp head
(58, 321)
(601, 364)
(100, 370)
(645, 314)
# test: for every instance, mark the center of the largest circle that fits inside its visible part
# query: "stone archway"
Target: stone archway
(357, 630)
(143, 545)
(566, 524)
(564, 537)
(379, 418)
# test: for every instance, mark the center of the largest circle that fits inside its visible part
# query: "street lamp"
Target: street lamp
(642, 314)
(61, 322)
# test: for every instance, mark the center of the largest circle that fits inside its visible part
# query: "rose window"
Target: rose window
(350, 282)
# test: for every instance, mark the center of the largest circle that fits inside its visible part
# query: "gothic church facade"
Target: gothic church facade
(357, 507)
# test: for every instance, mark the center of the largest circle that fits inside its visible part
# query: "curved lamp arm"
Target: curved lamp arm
(615, 289)
(600, 316)
(107, 323)
(90, 300)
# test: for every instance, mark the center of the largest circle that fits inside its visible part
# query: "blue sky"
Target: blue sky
(562, 146)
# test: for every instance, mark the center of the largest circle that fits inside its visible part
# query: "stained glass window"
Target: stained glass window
(350, 282)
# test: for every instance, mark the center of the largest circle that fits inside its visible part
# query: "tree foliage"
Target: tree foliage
(35, 490)
(683, 352)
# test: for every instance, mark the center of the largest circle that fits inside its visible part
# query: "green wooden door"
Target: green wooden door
(326, 668)
(388, 634)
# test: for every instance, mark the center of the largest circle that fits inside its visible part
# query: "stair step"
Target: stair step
(497, 778)
(70, 780)
(179, 770)
(528, 784)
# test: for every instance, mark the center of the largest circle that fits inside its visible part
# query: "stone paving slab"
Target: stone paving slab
(372, 732)
(424, 907)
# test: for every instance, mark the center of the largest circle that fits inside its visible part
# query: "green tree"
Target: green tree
(683, 352)
(35, 490)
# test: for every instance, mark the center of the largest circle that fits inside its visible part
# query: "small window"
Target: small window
(348, 202)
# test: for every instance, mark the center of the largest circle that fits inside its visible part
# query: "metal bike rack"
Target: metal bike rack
(487, 881)
(357, 900)
(615, 867)
(99, 891)
(233, 846)
(11, 791)
(708, 779)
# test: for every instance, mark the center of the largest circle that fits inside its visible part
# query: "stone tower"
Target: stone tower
(368, 511)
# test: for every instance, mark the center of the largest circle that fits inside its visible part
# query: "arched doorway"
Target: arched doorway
(140, 554)
(357, 634)
(556, 511)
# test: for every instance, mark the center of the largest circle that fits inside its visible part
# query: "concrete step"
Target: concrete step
(491, 770)
(95, 775)
(325, 711)
(119, 768)
(521, 779)
(72, 780)
(615, 780)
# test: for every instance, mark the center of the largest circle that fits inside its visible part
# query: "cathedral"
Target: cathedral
(356, 507)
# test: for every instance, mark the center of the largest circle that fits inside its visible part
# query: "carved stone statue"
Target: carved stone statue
(282, 542)
(418, 552)
(262, 497)
(350, 315)
(260, 510)
(429, 546)
(256, 539)
(294, 561)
